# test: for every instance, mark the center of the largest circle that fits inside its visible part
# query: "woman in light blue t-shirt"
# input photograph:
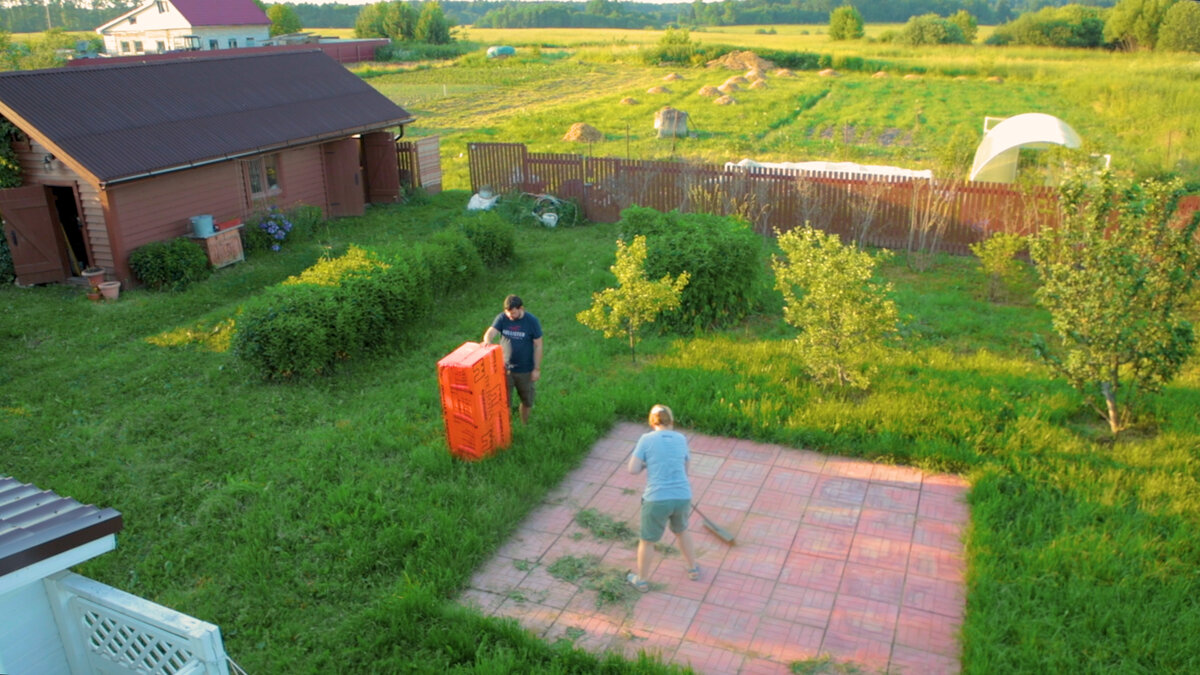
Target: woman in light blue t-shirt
(663, 453)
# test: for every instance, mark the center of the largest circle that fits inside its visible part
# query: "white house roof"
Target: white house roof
(996, 156)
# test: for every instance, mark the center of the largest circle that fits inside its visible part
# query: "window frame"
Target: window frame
(263, 177)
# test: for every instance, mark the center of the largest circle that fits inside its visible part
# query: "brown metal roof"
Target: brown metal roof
(126, 121)
(37, 524)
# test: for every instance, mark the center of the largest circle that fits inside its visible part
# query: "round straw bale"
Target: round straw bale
(725, 100)
(709, 90)
(961, 78)
(754, 74)
(758, 84)
(996, 78)
(629, 101)
(736, 79)
(912, 76)
(658, 90)
(672, 77)
(880, 74)
(585, 133)
(728, 87)
(783, 72)
(828, 72)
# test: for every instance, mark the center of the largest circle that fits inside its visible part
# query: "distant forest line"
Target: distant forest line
(31, 16)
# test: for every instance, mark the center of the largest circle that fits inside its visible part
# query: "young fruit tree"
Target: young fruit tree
(842, 311)
(997, 256)
(636, 301)
(1116, 276)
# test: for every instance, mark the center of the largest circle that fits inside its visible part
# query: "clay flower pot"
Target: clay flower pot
(110, 289)
(93, 275)
(93, 294)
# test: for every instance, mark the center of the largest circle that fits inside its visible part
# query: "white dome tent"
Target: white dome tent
(997, 154)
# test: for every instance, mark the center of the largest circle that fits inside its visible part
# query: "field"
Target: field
(323, 526)
(560, 77)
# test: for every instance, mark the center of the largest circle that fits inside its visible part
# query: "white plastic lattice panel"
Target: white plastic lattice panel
(137, 647)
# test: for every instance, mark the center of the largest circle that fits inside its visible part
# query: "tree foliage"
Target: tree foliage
(283, 20)
(1180, 30)
(1069, 26)
(845, 23)
(432, 25)
(1115, 277)
(997, 256)
(930, 29)
(636, 301)
(1134, 24)
(830, 294)
(967, 23)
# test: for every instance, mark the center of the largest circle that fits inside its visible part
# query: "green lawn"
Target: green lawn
(323, 525)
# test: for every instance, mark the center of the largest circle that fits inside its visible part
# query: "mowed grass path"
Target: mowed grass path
(323, 525)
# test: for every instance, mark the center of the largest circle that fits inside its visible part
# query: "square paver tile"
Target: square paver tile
(765, 562)
(823, 541)
(873, 583)
(768, 530)
(866, 618)
(740, 591)
(786, 641)
(708, 659)
(722, 626)
(812, 571)
(798, 604)
(890, 554)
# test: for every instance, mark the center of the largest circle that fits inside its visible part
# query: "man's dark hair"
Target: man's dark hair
(513, 302)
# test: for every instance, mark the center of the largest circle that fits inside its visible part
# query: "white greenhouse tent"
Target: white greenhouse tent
(997, 154)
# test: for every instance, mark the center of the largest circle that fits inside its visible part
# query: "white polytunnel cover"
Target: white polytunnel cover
(996, 156)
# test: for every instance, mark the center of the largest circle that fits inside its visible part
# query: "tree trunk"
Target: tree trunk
(1110, 400)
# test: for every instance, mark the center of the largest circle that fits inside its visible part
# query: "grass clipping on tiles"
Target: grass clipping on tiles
(603, 526)
(609, 583)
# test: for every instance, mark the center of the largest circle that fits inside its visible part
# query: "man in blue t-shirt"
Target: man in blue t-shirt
(663, 453)
(521, 339)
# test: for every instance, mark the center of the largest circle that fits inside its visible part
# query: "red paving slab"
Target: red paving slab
(835, 558)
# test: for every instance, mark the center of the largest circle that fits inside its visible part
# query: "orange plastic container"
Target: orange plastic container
(475, 404)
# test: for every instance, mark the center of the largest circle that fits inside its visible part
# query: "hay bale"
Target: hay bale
(709, 91)
(726, 100)
(758, 84)
(629, 101)
(783, 72)
(828, 72)
(584, 133)
(961, 78)
(671, 122)
(672, 77)
(658, 90)
(755, 74)
(996, 78)
(736, 79)
(728, 88)
(879, 75)
(912, 76)
(741, 61)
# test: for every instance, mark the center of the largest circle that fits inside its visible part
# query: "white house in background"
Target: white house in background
(171, 25)
(56, 622)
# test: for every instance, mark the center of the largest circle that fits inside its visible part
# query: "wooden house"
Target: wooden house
(161, 26)
(56, 622)
(116, 156)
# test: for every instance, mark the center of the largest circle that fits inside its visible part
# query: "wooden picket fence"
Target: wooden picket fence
(421, 163)
(889, 212)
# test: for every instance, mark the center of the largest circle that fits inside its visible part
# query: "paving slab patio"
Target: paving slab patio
(835, 557)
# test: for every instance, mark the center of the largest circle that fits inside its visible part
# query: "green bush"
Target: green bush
(792, 60)
(272, 228)
(452, 261)
(722, 255)
(170, 265)
(307, 324)
(493, 237)
(7, 273)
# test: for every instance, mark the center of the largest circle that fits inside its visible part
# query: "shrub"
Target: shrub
(722, 256)
(170, 265)
(272, 228)
(792, 60)
(7, 273)
(1180, 30)
(336, 310)
(842, 313)
(845, 23)
(997, 256)
(493, 237)
(452, 260)
(930, 29)
(1069, 26)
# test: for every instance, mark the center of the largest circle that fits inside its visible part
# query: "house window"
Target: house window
(233, 43)
(162, 6)
(161, 46)
(249, 42)
(124, 46)
(212, 44)
(137, 46)
(263, 174)
(133, 19)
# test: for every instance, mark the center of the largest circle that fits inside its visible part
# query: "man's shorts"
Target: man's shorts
(655, 516)
(524, 385)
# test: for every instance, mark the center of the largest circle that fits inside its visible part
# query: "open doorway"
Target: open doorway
(69, 218)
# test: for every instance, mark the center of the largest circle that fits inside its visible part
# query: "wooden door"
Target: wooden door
(34, 236)
(343, 178)
(382, 168)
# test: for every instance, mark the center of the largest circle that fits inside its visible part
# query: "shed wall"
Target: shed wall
(303, 177)
(34, 171)
(32, 644)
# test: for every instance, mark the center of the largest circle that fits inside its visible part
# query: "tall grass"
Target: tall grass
(323, 525)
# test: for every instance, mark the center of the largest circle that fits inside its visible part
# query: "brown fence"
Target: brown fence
(421, 163)
(917, 214)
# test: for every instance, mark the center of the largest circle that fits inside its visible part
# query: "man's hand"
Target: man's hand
(535, 375)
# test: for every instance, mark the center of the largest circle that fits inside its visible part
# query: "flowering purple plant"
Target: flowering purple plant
(277, 225)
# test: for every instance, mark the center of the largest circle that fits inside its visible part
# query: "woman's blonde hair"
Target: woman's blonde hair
(661, 415)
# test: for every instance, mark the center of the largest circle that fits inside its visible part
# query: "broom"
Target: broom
(716, 529)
